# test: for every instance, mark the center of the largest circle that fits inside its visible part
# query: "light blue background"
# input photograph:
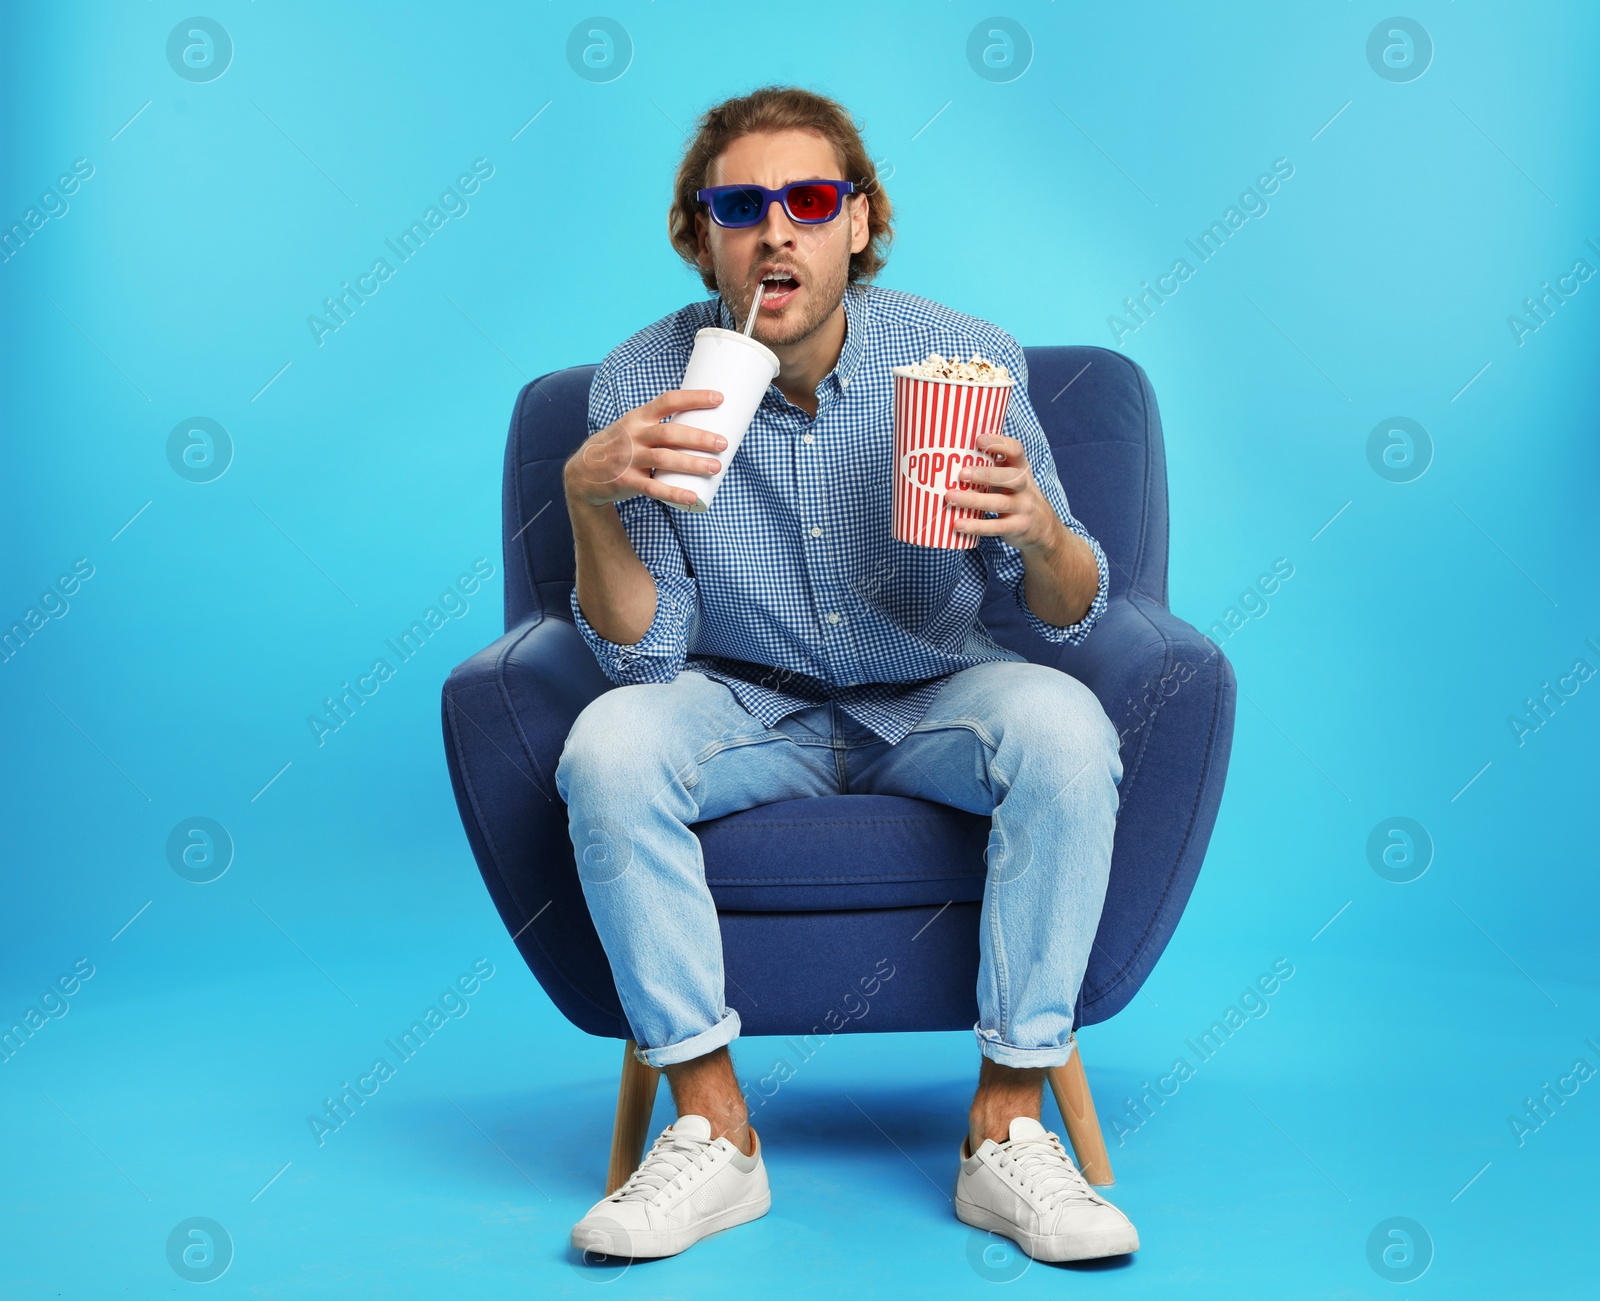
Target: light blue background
(365, 477)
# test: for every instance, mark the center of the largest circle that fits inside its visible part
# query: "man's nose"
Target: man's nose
(776, 228)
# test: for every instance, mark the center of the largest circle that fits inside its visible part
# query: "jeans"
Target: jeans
(1023, 742)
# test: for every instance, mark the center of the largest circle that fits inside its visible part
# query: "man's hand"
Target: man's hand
(1060, 577)
(615, 463)
(1027, 520)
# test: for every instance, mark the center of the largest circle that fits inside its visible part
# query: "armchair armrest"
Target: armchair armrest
(1171, 694)
(506, 713)
(1139, 659)
(545, 672)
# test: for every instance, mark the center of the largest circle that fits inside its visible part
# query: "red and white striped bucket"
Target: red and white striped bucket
(936, 428)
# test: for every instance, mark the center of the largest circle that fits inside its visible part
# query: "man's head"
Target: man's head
(770, 138)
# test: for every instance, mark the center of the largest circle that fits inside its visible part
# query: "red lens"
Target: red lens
(816, 202)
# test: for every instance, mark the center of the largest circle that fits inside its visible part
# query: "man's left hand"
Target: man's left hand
(1027, 520)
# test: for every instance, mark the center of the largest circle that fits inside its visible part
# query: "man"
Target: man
(782, 644)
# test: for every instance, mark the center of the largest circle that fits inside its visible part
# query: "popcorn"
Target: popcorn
(974, 371)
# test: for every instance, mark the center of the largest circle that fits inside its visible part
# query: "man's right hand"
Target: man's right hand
(614, 464)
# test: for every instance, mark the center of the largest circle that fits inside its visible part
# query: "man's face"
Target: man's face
(816, 257)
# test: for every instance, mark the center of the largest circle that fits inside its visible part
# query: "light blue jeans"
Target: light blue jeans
(1022, 742)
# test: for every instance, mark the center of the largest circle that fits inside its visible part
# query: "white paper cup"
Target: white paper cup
(936, 428)
(740, 369)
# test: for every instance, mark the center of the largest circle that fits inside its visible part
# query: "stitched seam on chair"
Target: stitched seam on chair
(1161, 905)
(1131, 778)
(518, 465)
(1130, 775)
(1137, 576)
(930, 879)
(1105, 442)
(1148, 737)
(516, 489)
(843, 822)
(1188, 831)
(1149, 483)
(505, 701)
(1144, 517)
(516, 723)
(889, 908)
(494, 852)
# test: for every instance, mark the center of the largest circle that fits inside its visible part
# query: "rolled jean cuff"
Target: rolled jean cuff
(996, 1049)
(725, 1031)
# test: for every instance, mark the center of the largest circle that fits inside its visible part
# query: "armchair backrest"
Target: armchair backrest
(1096, 407)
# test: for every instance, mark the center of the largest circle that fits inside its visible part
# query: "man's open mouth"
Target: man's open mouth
(777, 289)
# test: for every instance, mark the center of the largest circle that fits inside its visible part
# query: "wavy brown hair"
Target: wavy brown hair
(779, 108)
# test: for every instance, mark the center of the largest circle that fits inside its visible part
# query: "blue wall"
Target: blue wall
(1384, 277)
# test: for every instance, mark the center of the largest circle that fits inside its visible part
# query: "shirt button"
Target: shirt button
(816, 531)
(807, 439)
(833, 617)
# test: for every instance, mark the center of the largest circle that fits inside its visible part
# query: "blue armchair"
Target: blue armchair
(819, 897)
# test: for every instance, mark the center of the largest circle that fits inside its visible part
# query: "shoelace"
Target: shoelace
(667, 1161)
(1044, 1164)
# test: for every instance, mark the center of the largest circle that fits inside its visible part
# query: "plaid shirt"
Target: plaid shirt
(790, 589)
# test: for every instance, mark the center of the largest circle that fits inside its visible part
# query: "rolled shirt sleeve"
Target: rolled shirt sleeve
(659, 655)
(1005, 561)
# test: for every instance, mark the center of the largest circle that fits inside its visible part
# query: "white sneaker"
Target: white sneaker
(1028, 1189)
(686, 1187)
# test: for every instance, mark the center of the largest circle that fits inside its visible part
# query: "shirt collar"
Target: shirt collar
(857, 313)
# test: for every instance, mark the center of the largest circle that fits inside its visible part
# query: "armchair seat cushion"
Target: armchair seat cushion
(839, 852)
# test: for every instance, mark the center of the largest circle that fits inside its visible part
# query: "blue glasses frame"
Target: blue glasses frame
(724, 202)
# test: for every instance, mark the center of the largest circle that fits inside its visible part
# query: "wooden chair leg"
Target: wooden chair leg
(636, 1097)
(1071, 1089)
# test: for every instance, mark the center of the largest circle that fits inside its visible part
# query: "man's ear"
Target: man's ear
(702, 242)
(860, 230)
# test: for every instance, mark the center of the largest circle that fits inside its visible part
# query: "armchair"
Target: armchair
(816, 895)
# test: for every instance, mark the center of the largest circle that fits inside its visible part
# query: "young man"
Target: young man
(782, 644)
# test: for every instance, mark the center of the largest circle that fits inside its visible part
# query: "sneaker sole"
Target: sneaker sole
(1053, 1247)
(653, 1244)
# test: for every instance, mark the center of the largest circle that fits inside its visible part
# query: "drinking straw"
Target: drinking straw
(755, 310)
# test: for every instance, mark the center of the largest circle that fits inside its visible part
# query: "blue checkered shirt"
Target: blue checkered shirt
(790, 589)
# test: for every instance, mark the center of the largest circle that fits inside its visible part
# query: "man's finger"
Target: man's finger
(1002, 476)
(648, 487)
(674, 434)
(1010, 448)
(971, 499)
(680, 399)
(998, 527)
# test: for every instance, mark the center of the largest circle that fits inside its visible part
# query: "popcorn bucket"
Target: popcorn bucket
(936, 428)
